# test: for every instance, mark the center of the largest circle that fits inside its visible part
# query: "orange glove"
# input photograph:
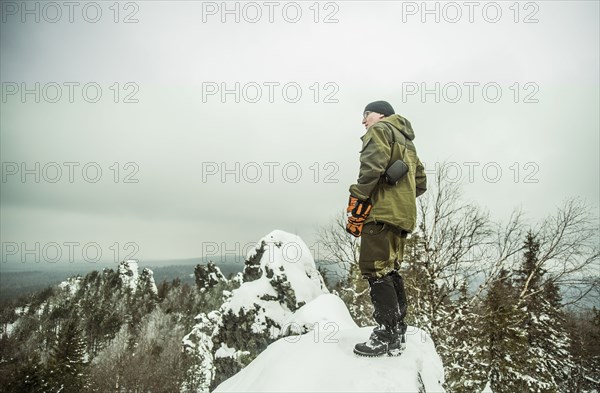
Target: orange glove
(358, 212)
(351, 203)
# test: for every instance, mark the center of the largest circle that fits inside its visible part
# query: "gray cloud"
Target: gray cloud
(546, 151)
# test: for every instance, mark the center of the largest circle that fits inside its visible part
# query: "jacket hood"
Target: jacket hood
(401, 124)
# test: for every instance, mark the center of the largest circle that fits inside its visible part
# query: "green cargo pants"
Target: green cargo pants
(381, 249)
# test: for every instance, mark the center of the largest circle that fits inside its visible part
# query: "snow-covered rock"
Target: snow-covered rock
(131, 278)
(279, 261)
(282, 330)
(128, 274)
(146, 282)
(280, 277)
(207, 276)
(22, 310)
(199, 345)
(71, 285)
(322, 360)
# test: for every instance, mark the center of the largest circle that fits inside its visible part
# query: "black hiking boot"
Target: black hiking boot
(388, 337)
(381, 343)
(398, 346)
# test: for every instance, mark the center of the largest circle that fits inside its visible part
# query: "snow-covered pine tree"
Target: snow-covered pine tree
(67, 370)
(418, 284)
(141, 292)
(584, 328)
(549, 361)
(504, 340)
(207, 276)
(27, 378)
(592, 352)
(563, 364)
(461, 349)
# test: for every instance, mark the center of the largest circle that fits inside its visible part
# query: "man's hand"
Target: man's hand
(351, 203)
(358, 211)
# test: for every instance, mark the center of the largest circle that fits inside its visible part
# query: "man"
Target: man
(383, 214)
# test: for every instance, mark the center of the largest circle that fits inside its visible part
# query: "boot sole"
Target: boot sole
(364, 355)
(395, 352)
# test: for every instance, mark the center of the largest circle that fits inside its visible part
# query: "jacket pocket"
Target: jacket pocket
(374, 229)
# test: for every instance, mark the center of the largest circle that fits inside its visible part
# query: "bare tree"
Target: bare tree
(338, 246)
(342, 249)
(569, 250)
(501, 252)
(463, 246)
(458, 246)
(456, 235)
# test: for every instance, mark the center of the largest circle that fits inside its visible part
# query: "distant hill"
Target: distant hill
(17, 279)
(21, 279)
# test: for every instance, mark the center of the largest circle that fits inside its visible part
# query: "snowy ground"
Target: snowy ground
(322, 361)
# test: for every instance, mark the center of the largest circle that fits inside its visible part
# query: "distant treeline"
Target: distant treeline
(16, 283)
(21, 283)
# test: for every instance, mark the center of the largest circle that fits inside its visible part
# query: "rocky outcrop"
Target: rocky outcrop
(279, 277)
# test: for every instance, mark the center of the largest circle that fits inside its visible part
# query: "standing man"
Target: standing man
(383, 213)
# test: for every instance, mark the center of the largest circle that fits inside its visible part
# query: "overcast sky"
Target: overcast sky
(513, 106)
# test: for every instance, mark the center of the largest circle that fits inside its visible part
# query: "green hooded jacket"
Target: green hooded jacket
(395, 205)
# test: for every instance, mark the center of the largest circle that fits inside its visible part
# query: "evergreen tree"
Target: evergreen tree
(585, 350)
(143, 300)
(418, 284)
(68, 365)
(505, 343)
(28, 378)
(548, 341)
(593, 350)
(556, 341)
(461, 349)
(207, 276)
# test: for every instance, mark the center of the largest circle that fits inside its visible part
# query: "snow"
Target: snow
(198, 343)
(289, 251)
(186, 342)
(224, 351)
(71, 285)
(250, 292)
(324, 309)
(128, 272)
(285, 254)
(150, 274)
(226, 295)
(322, 360)
(312, 345)
(488, 388)
(320, 363)
(238, 278)
(9, 327)
(22, 310)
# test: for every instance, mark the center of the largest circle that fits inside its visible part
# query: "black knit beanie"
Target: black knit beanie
(382, 107)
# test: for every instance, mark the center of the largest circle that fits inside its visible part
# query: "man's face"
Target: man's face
(370, 118)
